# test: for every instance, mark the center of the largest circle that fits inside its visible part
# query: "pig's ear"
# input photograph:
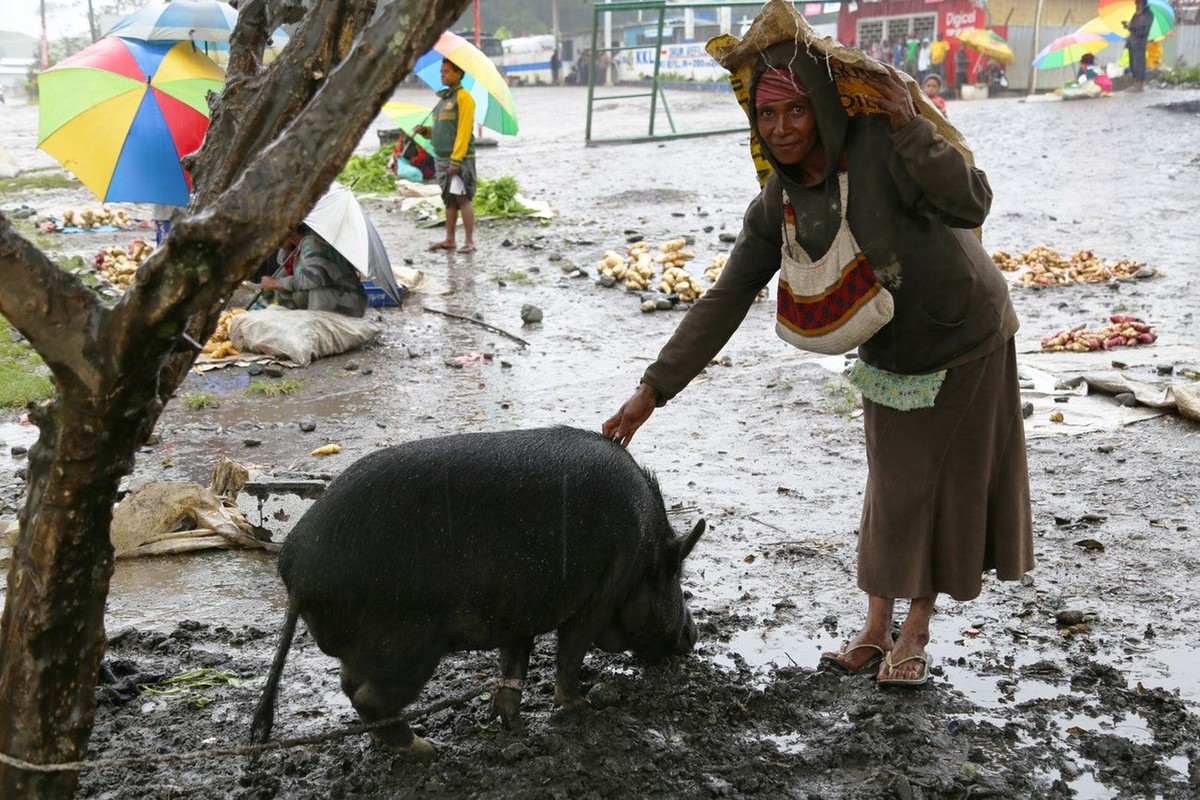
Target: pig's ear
(686, 547)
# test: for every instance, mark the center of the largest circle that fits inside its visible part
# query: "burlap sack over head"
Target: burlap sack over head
(779, 21)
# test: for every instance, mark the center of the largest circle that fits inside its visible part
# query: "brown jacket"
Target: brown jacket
(913, 202)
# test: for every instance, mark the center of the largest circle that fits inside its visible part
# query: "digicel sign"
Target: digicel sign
(955, 22)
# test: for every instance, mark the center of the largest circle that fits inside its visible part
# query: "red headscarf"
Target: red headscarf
(778, 84)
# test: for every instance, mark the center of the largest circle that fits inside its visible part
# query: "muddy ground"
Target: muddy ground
(767, 446)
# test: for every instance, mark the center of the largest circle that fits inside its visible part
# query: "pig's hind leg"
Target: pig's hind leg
(514, 664)
(382, 693)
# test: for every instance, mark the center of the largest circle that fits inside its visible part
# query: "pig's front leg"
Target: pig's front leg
(514, 664)
(573, 643)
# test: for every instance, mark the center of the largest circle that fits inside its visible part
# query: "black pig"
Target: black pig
(481, 541)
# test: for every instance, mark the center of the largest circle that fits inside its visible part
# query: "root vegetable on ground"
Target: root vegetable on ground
(1123, 330)
(1044, 266)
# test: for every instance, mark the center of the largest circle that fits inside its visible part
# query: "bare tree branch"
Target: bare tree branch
(51, 307)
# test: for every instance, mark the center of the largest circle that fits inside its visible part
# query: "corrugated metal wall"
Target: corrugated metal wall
(1184, 44)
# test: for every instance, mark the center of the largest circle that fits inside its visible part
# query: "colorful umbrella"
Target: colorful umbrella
(186, 20)
(1099, 27)
(494, 107)
(121, 113)
(177, 21)
(1117, 12)
(989, 43)
(408, 116)
(1065, 51)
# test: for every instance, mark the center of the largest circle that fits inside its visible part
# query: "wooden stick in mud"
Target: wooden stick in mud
(477, 322)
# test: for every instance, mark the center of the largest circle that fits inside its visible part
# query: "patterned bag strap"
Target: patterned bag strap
(786, 205)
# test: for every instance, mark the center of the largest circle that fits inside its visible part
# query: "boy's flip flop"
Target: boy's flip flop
(889, 665)
(466, 248)
(441, 246)
(840, 660)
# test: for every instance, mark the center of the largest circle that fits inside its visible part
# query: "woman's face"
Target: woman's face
(789, 129)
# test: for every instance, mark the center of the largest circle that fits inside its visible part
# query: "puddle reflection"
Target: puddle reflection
(223, 587)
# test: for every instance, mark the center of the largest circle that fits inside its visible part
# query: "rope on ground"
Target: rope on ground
(478, 322)
(249, 750)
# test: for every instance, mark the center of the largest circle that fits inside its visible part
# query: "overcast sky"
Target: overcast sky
(25, 16)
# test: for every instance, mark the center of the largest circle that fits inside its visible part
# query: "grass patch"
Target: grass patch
(47, 178)
(199, 400)
(1182, 76)
(274, 388)
(514, 277)
(842, 397)
(24, 377)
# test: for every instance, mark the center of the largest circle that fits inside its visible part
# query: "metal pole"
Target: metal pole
(478, 46)
(587, 135)
(608, 43)
(655, 87)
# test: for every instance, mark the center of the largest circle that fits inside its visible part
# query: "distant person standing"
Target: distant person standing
(961, 61)
(924, 58)
(1139, 36)
(555, 67)
(454, 155)
(898, 53)
(911, 48)
(937, 56)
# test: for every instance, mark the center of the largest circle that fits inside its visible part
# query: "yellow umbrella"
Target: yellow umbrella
(989, 43)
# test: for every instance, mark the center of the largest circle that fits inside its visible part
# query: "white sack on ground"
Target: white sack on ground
(300, 336)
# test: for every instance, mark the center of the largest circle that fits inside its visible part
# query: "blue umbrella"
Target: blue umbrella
(184, 20)
(180, 20)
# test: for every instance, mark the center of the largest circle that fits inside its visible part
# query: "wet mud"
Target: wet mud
(1078, 681)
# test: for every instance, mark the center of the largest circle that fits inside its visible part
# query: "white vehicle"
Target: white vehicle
(526, 59)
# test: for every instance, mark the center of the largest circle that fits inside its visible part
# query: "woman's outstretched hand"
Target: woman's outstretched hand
(621, 426)
(895, 101)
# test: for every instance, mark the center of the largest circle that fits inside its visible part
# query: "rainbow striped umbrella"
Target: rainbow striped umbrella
(1100, 28)
(494, 107)
(121, 113)
(1117, 12)
(1065, 51)
(409, 116)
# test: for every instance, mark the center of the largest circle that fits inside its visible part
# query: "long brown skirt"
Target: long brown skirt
(947, 493)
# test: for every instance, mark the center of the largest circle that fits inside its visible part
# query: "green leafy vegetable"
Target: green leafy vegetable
(369, 173)
(498, 198)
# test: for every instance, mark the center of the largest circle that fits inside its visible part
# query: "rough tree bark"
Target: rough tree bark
(278, 136)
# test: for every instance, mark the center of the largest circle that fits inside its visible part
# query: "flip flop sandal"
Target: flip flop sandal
(466, 248)
(441, 246)
(889, 665)
(840, 660)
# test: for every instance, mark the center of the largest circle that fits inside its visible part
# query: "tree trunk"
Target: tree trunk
(52, 634)
(272, 148)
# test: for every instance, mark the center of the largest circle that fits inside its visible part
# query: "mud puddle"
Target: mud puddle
(768, 448)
